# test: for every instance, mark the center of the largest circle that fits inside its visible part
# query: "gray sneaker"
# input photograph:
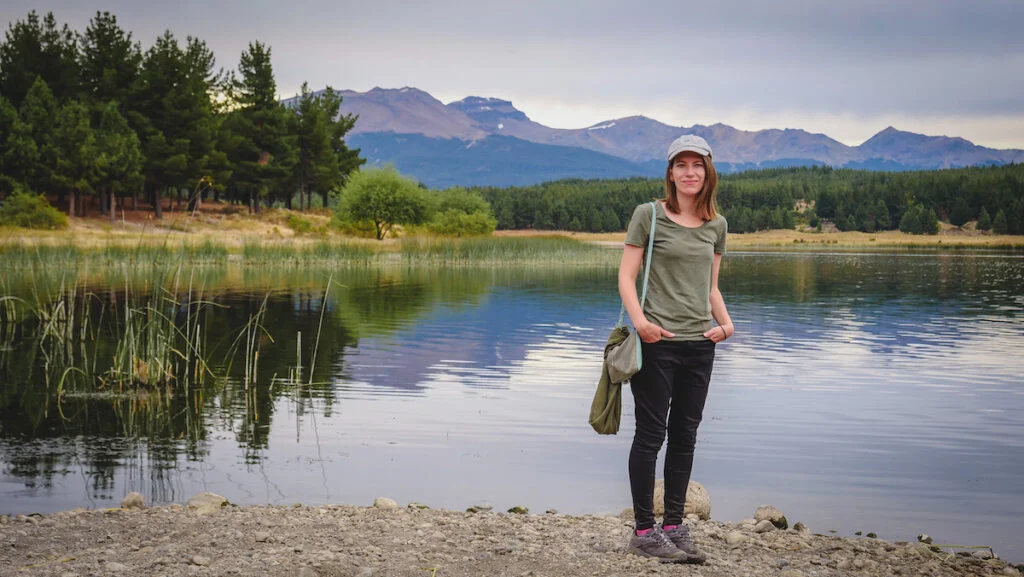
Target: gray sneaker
(655, 544)
(680, 537)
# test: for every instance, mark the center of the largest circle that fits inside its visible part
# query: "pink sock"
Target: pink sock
(642, 532)
(669, 527)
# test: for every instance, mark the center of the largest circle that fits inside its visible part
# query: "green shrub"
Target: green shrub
(28, 210)
(454, 222)
(299, 225)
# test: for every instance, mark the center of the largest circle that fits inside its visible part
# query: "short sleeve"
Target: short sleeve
(639, 228)
(723, 232)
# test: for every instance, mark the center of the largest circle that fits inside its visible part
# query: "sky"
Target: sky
(846, 69)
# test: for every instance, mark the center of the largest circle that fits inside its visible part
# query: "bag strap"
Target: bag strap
(647, 265)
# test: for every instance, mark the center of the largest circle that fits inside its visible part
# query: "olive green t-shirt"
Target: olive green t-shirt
(679, 289)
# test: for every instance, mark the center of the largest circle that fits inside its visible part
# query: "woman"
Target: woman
(678, 339)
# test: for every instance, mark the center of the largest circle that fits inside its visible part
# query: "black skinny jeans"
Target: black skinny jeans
(669, 393)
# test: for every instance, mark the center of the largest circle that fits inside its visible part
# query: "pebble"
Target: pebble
(765, 526)
(735, 537)
(115, 567)
(200, 560)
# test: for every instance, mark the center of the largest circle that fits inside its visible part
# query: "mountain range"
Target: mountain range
(489, 142)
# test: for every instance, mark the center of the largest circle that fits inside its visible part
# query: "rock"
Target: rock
(206, 503)
(782, 563)
(872, 536)
(133, 500)
(627, 515)
(698, 502)
(385, 503)
(692, 517)
(419, 506)
(115, 567)
(519, 510)
(924, 538)
(306, 572)
(765, 526)
(735, 537)
(801, 528)
(767, 512)
(200, 560)
(480, 508)
(982, 554)
(555, 512)
(263, 537)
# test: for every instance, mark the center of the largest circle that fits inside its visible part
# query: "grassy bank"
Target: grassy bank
(215, 238)
(414, 251)
(951, 238)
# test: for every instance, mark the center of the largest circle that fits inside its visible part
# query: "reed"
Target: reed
(421, 250)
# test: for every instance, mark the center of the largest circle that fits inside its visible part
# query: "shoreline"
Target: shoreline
(211, 537)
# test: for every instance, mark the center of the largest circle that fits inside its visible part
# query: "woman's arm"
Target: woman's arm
(629, 268)
(725, 328)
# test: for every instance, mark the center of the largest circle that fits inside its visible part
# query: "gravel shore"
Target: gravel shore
(387, 540)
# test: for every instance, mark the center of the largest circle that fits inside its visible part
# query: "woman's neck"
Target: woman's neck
(687, 205)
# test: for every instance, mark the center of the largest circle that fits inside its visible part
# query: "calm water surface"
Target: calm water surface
(861, 392)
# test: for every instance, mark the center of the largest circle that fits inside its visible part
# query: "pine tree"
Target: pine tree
(262, 153)
(120, 158)
(18, 152)
(882, 219)
(38, 115)
(999, 224)
(984, 220)
(961, 213)
(110, 61)
(173, 112)
(38, 48)
(77, 169)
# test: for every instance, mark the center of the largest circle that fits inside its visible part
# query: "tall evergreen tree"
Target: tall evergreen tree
(110, 61)
(35, 48)
(38, 114)
(120, 158)
(18, 152)
(173, 112)
(262, 152)
(77, 169)
(984, 220)
(323, 159)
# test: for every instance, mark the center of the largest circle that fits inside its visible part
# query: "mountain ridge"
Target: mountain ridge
(389, 117)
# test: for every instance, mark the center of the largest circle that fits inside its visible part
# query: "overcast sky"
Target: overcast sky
(845, 68)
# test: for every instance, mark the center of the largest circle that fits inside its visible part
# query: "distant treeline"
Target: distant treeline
(782, 197)
(90, 118)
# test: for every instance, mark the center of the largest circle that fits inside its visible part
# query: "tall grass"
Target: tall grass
(410, 251)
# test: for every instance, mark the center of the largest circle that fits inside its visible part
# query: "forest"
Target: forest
(92, 120)
(777, 198)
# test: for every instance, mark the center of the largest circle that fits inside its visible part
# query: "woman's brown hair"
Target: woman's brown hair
(706, 206)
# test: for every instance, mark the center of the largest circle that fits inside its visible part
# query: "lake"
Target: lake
(869, 392)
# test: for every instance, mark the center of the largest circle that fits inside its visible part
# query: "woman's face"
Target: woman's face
(688, 173)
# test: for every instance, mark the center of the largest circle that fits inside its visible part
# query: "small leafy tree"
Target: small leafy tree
(383, 197)
(459, 212)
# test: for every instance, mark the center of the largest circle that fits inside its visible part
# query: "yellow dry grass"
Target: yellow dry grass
(948, 237)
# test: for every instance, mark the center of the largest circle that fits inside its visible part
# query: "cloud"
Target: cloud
(901, 62)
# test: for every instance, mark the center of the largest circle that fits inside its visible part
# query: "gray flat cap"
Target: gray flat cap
(690, 142)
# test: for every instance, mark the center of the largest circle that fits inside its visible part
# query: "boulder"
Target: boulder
(764, 526)
(133, 500)
(767, 512)
(385, 503)
(698, 502)
(205, 503)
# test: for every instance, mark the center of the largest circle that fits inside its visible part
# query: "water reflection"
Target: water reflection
(861, 392)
